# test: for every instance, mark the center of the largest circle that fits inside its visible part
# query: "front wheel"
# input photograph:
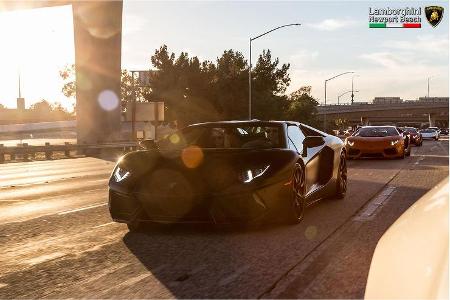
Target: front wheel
(341, 185)
(296, 207)
(135, 226)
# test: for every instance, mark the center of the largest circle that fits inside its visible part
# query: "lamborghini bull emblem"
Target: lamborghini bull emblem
(434, 14)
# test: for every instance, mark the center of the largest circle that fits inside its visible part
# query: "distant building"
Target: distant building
(387, 100)
(434, 99)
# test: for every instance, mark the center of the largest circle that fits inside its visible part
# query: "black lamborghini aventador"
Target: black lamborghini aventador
(228, 172)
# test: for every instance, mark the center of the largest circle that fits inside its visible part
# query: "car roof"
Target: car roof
(246, 122)
(381, 126)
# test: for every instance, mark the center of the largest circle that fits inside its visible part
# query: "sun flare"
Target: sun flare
(36, 44)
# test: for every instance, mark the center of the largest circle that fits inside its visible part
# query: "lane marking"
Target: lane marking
(230, 278)
(44, 258)
(371, 208)
(81, 209)
(127, 283)
(102, 225)
(2, 285)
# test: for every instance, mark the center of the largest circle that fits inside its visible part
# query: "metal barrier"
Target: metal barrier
(28, 151)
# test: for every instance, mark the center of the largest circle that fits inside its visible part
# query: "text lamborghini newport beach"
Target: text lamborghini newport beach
(228, 172)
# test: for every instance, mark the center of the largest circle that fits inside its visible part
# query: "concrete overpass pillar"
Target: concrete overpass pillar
(432, 120)
(98, 37)
(364, 121)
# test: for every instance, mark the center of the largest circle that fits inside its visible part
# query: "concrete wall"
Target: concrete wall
(98, 37)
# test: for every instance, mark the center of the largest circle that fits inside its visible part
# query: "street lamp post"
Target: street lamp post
(428, 86)
(250, 66)
(325, 102)
(351, 91)
(352, 86)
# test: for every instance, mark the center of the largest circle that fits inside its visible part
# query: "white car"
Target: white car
(411, 258)
(429, 134)
(438, 130)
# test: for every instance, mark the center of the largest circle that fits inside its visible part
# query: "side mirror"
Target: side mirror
(148, 144)
(311, 142)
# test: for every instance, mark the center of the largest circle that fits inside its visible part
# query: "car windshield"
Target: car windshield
(410, 130)
(428, 131)
(376, 132)
(226, 136)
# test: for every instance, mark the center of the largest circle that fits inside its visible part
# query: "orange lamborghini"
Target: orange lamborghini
(378, 141)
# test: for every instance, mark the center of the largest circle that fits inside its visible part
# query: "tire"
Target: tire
(409, 151)
(341, 184)
(135, 226)
(296, 206)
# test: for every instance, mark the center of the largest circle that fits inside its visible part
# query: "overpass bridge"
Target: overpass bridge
(433, 111)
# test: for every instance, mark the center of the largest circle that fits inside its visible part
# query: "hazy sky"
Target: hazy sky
(334, 37)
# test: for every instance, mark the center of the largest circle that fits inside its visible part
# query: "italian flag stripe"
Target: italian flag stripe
(412, 25)
(377, 25)
(395, 25)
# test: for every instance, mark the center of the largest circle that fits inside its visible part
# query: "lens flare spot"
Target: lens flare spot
(192, 156)
(311, 232)
(108, 100)
(174, 138)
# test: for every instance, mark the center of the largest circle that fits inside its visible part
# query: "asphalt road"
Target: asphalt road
(57, 239)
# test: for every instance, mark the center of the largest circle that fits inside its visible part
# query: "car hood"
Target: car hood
(411, 258)
(374, 139)
(214, 169)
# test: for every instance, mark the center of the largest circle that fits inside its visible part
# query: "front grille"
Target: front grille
(390, 151)
(374, 155)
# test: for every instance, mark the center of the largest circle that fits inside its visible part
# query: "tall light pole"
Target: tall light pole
(250, 66)
(428, 86)
(351, 91)
(325, 104)
(353, 95)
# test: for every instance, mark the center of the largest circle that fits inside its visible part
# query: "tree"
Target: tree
(68, 76)
(204, 91)
(196, 91)
(302, 107)
(185, 85)
(126, 85)
(269, 85)
(2, 106)
(42, 107)
(231, 86)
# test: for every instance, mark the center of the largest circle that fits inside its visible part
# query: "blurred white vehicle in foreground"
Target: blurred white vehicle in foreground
(411, 258)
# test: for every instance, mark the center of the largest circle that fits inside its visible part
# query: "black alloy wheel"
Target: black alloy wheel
(297, 208)
(341, 188)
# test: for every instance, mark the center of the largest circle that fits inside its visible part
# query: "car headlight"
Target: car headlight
(250, 174)
(394, 142)
(120, 174)
(350, 143)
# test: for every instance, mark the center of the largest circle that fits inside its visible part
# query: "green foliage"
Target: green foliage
(42, 106)
(68, 76)
(302, 107)
(198, 91)
(204, 91)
